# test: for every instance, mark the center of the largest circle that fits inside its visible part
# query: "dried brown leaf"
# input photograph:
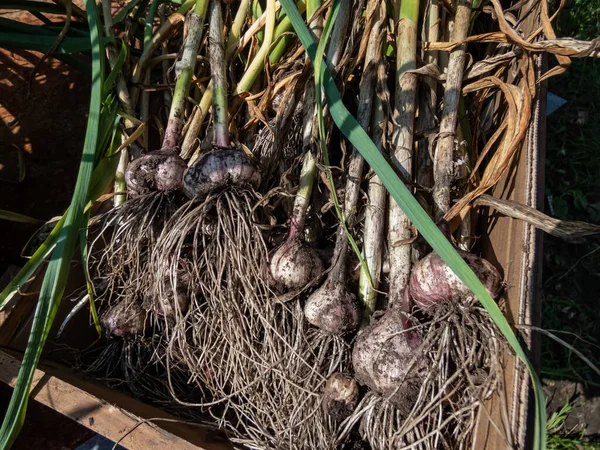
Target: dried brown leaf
(562, 48)
(565, 229)
(516, 123)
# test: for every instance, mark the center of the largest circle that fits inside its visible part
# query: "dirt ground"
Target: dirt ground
(45, 122)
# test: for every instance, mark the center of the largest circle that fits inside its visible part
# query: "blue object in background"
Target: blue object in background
(99, 443)
(553, 102)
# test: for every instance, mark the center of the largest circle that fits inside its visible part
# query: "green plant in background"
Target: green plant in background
(571, 277)
(573, 192)
(558, 362)
(580, 19)
(560, 438)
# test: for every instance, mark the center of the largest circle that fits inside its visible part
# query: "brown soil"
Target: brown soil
(47, 125)
(45, 121)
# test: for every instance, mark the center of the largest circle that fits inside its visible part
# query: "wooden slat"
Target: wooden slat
(105, 419)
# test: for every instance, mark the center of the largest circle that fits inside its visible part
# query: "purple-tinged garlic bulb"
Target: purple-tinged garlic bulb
(332, 308)
(340, 396)
(295, 264)
(124, 319)
(386, 358)
(433, 282)
(220, 168)
(161, 170)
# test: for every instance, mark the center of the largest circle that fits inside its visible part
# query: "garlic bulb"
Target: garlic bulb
(161, 170)
(218, 169)
(295, 264)
(340, 396)
(332, 308)
(433, 282)
(124, 319)
(386, 358)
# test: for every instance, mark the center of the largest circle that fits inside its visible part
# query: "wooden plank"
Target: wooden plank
(106, 419)
(202, 436)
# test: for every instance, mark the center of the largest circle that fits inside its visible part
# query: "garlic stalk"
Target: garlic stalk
(376, 193)
(399, 232)
(224, 165)
(443, 164)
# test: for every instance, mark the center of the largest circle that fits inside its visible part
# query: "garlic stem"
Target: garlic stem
(282, 36)
(185, 70)
(257, 64)
(120, 187)
(338, 36)
(309, 113)
(428, 103)
(355, 166)
(149, 25)
(125, 100)
(171, 25)
(302, 200)
(443, 165)
(199, 114)
(217, 73)
(356, 162)
(165, 64)
(187, 150)
(145, 110)
(236, 28)
(257, 12)
(368, 283)
(375, 208)
(185, 7)
(400, 232)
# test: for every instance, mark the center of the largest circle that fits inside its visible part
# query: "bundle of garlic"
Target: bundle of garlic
(249, 255)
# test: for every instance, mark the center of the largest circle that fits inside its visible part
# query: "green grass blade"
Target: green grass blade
(39, 39)
(116, 70)
(41, 17)
(359, 138)
(74, 31)
(109, 120)
(58, 268)
(32, 6)
(8, 25)
(43, 43)
(123, 13)
(16, 217)
(83, 243)
(32, 264)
